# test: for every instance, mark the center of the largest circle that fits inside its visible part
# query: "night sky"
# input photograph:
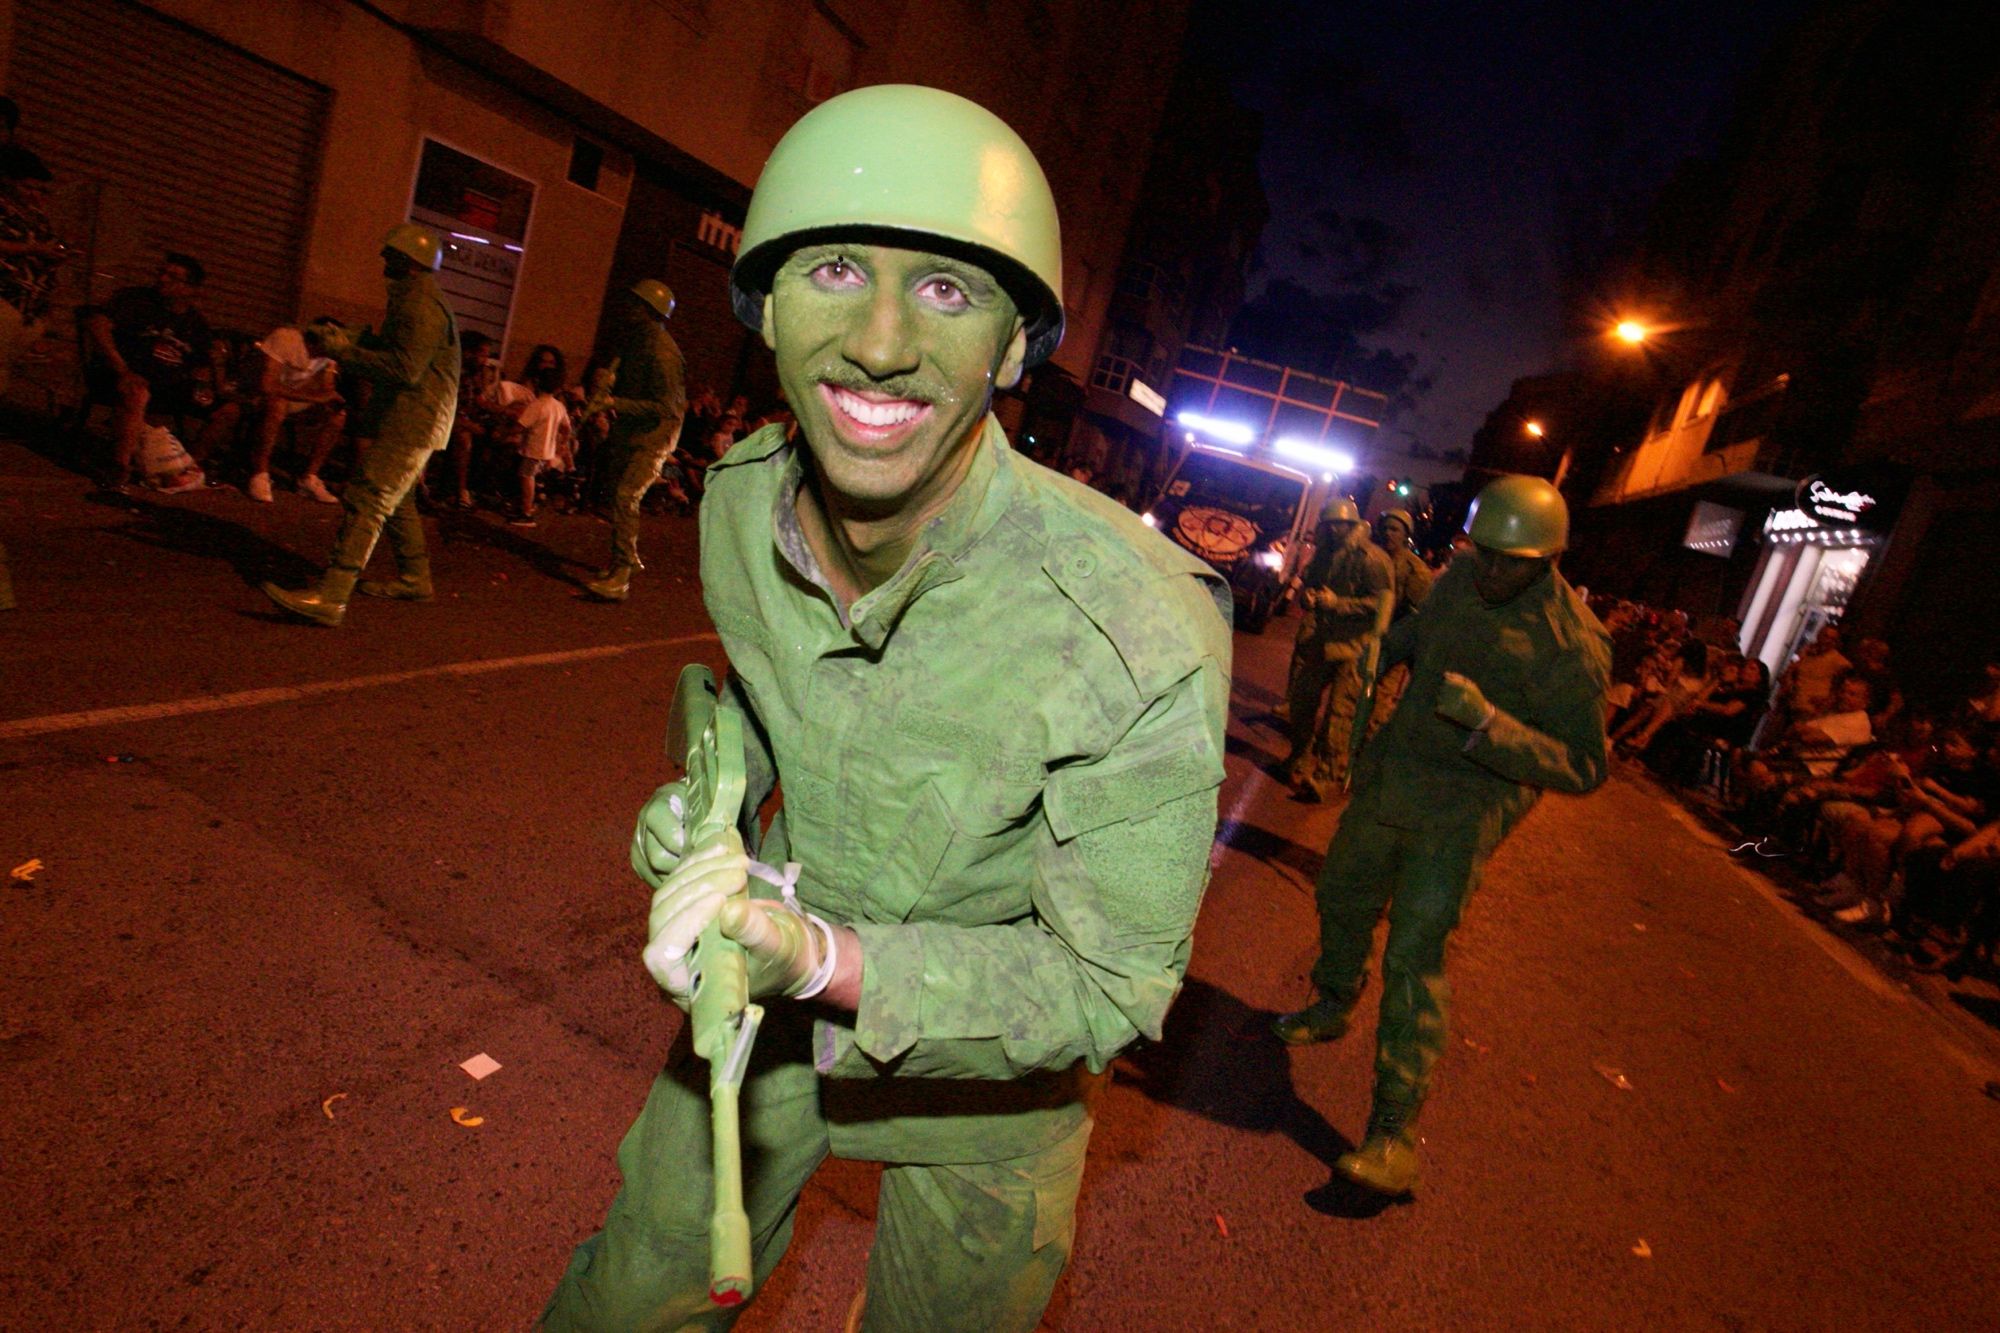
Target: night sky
(1430, 167)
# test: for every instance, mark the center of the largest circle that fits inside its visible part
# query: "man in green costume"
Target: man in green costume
(650, 400)
(1347, 599)
(413, 367)
(1508, 671)
(1412, 576)
(995, 701)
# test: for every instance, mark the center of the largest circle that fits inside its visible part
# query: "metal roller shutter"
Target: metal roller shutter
(171, 140)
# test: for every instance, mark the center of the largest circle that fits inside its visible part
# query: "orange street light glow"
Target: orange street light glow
(1631, 331)
(1534, 428)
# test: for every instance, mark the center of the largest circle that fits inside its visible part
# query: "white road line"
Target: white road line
(21, 728)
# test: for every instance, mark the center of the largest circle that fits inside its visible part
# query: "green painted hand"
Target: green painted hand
(660, 838)
(1460, 701)
(688, 899)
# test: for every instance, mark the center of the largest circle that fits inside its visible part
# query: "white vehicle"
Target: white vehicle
(1247, 516)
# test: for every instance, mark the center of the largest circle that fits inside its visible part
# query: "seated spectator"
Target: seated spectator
(1949, 917)
(297, 386)
(142, 349)
(30, 253)
(1719, 723)
(1691, 682)
(1806, 685)
(217, 399)
(1981, 711)
(1871, 663)
(478, 413)
(1812, 748)
(1944, 804)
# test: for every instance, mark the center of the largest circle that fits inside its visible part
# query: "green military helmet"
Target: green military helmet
(909, 165)
(1401, 516)
(657, 295)
(1340, 509)
(1518, 515)
(418, 243)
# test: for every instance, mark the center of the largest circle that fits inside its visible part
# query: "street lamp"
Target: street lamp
(1631, 331)
(1540, 432)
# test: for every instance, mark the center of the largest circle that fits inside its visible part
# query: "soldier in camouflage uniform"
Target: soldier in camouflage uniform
(1508, 670)
(649, 400)
(1347, 599)
(413, 365)
(995, 702)
(1412, 585)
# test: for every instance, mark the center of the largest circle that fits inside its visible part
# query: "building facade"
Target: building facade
(568, 147)
(1825, 442)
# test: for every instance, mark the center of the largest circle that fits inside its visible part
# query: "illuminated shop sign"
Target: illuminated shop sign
(1833, 506)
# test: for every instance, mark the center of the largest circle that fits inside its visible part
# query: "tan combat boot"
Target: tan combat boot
(1325, 1019)
(324, 604)
(1386, 1161)
(614, 586)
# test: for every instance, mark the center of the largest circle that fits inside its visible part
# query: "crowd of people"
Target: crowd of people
(193, 406)
(1888, 811)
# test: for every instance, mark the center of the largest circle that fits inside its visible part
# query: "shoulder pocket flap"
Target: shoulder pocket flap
(1120, 787)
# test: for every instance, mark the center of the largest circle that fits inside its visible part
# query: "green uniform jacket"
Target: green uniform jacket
(1413, 580)
(1001, 770)
(414, 364)
(651, 387)
(1358, 576)
(1542, 660)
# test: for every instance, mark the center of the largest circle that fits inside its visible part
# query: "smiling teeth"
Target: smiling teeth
(876, 414)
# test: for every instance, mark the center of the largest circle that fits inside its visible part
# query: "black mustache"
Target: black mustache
(905, 388)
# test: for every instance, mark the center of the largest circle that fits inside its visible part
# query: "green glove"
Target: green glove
(788, 949)
(790, 952)
(686, 901)
(660, 838)
(1460, 701)
(334, 339)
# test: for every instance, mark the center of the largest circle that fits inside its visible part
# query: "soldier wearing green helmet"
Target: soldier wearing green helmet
(413, 365)
(1508, 671)
(649, 399)
(1347, 594)
(994, 701)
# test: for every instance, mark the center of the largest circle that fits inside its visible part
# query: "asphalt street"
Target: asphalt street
(291, 878)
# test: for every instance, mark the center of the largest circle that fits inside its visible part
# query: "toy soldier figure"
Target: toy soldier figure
(995, 703)
(1508, 671)
(414, 365)
(649, 399)
(1347, 599)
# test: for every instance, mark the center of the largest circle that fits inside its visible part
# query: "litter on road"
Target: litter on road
(1642, 1249)
(327, 1105)
(1222, 1226)
(1615, 1078)
(480, 1065)
(25, 872)
(459, 1117)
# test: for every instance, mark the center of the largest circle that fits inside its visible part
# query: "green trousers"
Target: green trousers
(381, 495)
(974, 1247)
(1319, 735)
(1423, 878)
(636, 464)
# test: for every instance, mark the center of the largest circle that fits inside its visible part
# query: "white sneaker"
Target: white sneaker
(259, 488)
(314, 487)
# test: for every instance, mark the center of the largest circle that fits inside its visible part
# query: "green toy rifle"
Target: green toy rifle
(1370, 666)
(708, 736)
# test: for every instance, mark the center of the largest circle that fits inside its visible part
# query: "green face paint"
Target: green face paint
(890, 358)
